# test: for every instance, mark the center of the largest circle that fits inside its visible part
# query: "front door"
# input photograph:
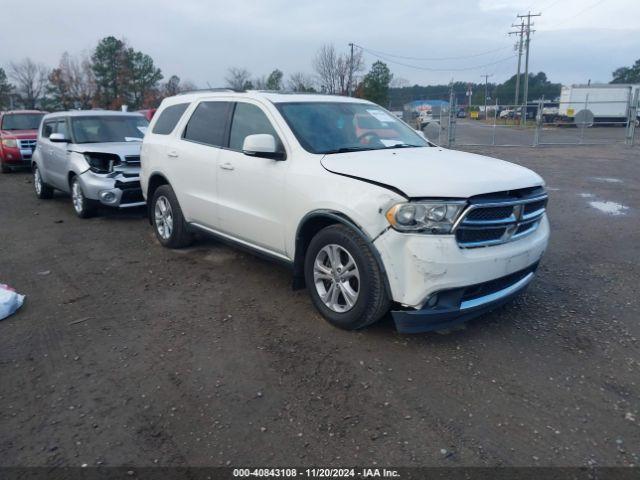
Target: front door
(251, 189)
(59, 158)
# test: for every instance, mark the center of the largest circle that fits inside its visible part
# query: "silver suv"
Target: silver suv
(93, 155)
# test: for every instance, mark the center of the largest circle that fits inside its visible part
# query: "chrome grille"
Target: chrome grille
(24, 144)
(132, 159)
(487, 223)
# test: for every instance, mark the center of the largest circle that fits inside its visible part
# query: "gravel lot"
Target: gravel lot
(126, 353)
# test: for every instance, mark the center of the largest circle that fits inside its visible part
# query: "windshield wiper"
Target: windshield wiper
(348, 149)
(403, 145)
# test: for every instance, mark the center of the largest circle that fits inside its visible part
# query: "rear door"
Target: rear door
(251, 189)
(192, 163)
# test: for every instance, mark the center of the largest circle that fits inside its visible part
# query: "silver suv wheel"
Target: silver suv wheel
(163, 217)
(37, 181)
(77, 196)
(336, 278)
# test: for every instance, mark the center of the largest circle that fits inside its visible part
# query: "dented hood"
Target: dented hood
(119, 148)
(432, 171)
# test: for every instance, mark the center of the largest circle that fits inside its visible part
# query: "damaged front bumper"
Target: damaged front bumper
(455, 306)
(436, 283)
(120, 188)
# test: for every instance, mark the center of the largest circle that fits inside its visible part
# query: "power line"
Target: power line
(576, 15)
(428, 69)
(431, 59)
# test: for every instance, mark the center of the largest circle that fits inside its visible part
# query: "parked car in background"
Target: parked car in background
(93, 155)
(461, 113)
(18, 133)
(148, 113)
(369, 214)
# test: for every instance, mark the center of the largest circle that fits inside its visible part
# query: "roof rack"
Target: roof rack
(223, 89)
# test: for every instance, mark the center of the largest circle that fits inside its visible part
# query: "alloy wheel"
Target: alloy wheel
(163, 217)
(37, 181)
(77, 196)
(336, 278)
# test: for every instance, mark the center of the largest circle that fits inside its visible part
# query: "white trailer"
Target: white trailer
(606, 102)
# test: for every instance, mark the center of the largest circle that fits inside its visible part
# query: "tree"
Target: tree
(238, 79)
(111, 70)
(627, 74)
(175, 85)
(71, 84)
(337, 73)
(5, 91)
(539, 86)
(124, 76)
(300, 82)
(31, 80)
(274, 80)
(172, 86)
(375, 85)
(143, 79)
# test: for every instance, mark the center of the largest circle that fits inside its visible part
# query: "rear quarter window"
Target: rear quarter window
(169, 118)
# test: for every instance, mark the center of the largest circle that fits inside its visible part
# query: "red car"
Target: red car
(18, 134)
(148, 114)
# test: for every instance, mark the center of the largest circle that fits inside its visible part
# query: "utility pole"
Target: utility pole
(486, 92)
(528, 31)
(350, 71)
(520, 34)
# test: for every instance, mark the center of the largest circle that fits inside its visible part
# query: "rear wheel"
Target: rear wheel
(343, 278)
(83, 206)
(43, 191)
(168, 221)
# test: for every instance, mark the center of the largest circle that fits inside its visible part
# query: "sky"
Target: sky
(574, 40)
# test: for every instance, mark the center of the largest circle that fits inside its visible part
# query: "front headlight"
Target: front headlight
(428, 217)
(102, 162)
(10, 142)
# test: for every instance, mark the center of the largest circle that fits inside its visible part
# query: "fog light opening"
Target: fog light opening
(108, 197)
(433, 300)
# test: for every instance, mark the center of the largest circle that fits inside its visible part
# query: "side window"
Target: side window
(62, 128)
(208, 124)
(249, 120)
(169, 118)
(48, 128)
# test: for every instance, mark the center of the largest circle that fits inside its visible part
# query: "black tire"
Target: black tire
(178, 236)
(372, 300)
(83, 206)
(43, 191)
(4, 168)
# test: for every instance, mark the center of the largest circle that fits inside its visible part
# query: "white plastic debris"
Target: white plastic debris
(10, 301)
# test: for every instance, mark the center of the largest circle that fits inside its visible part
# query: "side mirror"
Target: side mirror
(262, 145)
(58, 138)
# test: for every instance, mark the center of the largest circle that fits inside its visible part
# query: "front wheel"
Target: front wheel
(344, 279)
(83, 206)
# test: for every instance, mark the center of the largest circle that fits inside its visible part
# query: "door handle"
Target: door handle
(172, 154)
(227, 166)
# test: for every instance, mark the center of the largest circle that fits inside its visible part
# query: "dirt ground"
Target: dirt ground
(126, 353)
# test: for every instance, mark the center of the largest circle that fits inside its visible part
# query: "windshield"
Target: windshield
(337, 127)
(21, 121)
(112, 128)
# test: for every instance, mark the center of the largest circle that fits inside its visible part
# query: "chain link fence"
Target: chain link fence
(537, 123)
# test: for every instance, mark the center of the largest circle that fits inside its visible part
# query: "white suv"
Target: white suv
(369, 214)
